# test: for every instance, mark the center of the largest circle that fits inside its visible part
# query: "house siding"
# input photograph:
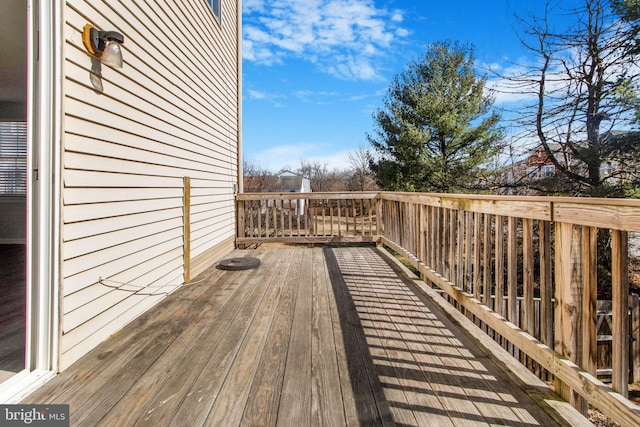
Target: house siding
(171, 112)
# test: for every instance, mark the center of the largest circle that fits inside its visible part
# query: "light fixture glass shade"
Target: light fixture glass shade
(112, 54)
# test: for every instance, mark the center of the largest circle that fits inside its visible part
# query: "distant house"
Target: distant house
(534, 167)
(116, 184)
(537, 165)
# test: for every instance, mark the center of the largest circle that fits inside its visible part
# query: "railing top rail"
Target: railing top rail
(308, 196)
(488, 197)
(619, 214)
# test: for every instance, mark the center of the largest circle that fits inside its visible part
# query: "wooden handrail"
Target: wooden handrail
(491, 255)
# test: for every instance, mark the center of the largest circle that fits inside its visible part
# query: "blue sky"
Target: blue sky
(314, 71)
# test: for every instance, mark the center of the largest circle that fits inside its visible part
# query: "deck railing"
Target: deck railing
(307, 217)
(538, 257)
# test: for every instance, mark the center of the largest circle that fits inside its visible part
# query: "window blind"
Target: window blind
(13, 158)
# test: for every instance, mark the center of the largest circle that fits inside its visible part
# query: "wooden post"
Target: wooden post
(240, 205)
(568, 309)
(620, 310)
(186, 224)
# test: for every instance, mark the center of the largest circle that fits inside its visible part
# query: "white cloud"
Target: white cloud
(397, 16)
(254, 94)
(274, 98)
(345, 38)
(319, 97)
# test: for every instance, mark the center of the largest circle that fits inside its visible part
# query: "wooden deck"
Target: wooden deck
(314, 336)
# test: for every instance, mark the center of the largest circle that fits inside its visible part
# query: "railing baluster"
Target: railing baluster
(480, 294)
(487, 249)
(460, 251)
(499, 272)
(589, 298)
(468, 252)
(527, 255)
(512, 269)
(620, 310)
(260, 216)
(324, 217)
(446, 226)
(546, 294)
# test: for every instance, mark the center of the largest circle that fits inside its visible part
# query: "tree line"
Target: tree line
(356, 177)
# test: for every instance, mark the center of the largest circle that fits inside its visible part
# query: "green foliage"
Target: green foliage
(628, 10)
(436, 128)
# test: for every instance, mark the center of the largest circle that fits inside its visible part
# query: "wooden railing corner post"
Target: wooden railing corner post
(186, 228)
(240, 207)
(569, 289)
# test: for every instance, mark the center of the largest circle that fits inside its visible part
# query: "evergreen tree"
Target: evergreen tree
(436, 128)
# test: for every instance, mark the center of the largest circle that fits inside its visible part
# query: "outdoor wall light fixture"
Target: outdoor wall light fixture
(104, 45)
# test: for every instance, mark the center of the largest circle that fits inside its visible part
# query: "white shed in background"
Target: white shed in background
(289, 182)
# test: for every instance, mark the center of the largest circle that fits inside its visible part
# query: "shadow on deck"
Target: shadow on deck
(323, 336)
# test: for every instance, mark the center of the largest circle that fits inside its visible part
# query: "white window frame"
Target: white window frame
(547, 170)
(216, 7)
(43, 224)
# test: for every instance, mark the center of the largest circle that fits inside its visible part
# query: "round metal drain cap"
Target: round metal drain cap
(244, 263)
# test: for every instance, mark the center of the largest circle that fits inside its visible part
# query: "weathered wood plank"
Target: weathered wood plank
(230, 401)
(198, 387)
(371, 405)
(295, 403)
(391, 359)
(326, 406)
(158, 391)
(264, 397)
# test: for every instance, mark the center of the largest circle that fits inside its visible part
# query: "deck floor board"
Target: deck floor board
(313, 336)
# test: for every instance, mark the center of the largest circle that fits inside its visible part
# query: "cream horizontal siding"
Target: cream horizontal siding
(170, 113)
